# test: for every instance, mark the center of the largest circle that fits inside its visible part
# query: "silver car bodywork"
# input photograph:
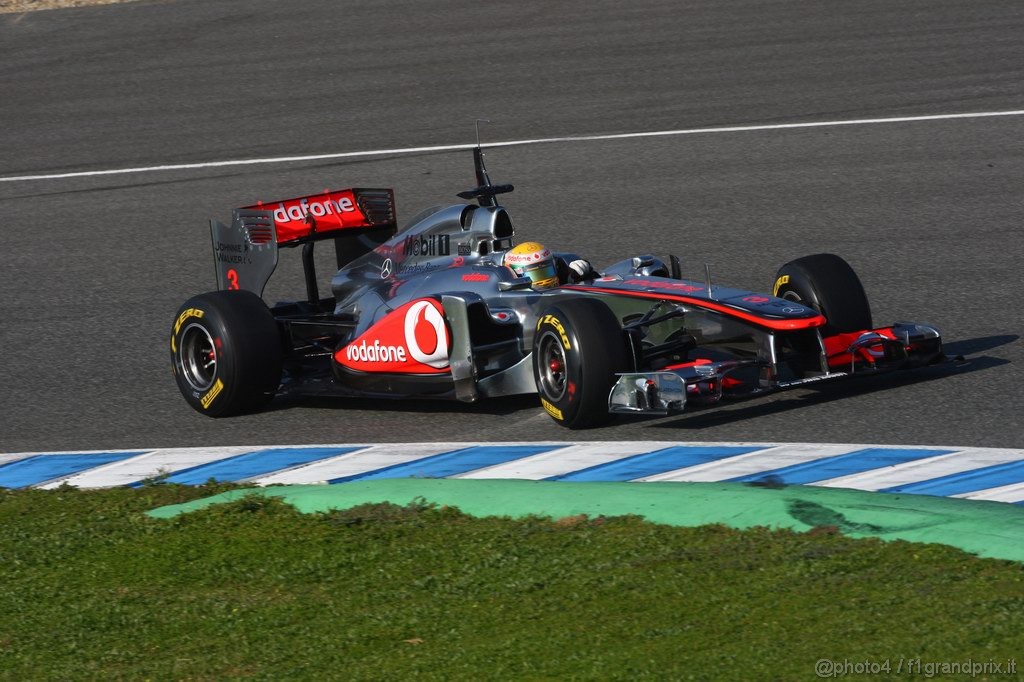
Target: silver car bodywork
(689, 342)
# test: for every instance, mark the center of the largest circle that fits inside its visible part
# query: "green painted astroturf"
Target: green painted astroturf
(988, 529)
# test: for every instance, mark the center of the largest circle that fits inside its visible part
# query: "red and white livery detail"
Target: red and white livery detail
(413, 339)
(332, 210)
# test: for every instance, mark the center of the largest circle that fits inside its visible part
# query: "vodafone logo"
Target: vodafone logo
(425, 334)
(410, 340)
(375, 353)
(524, 254)
(303, 207)
(302, 216)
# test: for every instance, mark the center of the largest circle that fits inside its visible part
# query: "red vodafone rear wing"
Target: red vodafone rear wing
(246, 251)
(319, 215)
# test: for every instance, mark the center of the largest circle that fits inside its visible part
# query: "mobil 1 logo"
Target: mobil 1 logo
(427, 245)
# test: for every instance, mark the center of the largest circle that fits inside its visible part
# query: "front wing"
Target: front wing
(668, 390)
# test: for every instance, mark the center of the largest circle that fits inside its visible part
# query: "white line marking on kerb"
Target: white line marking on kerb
(511, 143)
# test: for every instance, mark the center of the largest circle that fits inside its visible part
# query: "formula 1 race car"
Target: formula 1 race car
(435, 312)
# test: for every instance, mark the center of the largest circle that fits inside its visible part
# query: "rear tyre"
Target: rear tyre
(226, 353)
(578, 348)
(828, 284)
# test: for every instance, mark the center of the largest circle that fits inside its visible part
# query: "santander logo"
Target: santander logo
(411, 340)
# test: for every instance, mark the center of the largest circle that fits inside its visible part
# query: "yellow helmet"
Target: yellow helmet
(535, 261)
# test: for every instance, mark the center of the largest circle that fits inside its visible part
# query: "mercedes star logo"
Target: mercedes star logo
(386, 268)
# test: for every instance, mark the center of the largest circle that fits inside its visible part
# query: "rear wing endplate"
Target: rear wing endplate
(245, 252)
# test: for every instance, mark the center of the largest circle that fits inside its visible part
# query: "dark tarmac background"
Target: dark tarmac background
(928, 213)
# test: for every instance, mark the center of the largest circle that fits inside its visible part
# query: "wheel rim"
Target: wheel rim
(795, 297)
(197, 357)
(551, 367)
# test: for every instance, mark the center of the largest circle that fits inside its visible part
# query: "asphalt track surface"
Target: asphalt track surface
(928, 212)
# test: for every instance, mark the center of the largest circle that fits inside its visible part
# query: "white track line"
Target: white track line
(5, 459)
(1004, 493)
(362, 461)
(12, 456)
(514, 143)
(149, 464)
(914, 471)
(752, 463)
(562, 461)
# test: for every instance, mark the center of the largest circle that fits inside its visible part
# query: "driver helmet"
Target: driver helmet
(535, 261)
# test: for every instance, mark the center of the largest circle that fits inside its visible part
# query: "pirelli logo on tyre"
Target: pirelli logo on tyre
(778, 284)
(212, 394)
(552, 410)
(553, 321)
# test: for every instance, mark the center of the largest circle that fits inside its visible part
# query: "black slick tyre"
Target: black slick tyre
(577, 349)
(226, 353)
(828, 284)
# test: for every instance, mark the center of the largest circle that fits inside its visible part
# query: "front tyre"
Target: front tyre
(226, 353)
(577, 350)
(828, 284)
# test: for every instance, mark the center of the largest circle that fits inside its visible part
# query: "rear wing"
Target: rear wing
(245, 252)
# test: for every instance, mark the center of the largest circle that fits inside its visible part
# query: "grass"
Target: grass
(90, 588)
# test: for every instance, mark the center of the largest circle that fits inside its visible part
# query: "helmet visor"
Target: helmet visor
(543, 275)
